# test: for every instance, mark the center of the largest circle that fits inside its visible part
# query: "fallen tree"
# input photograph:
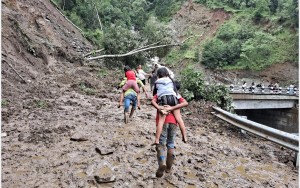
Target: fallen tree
(145, 48)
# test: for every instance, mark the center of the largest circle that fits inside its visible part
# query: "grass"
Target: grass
(41, 103)
(102, 73)
(4, 102)
(86, 90)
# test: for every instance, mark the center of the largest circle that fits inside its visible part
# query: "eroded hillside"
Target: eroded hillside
(55, 124)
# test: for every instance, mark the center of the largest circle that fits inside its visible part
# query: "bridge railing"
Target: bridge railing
(259, 90)
(282, 138)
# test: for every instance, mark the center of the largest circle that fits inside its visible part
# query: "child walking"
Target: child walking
(130, 83)
(167, 95)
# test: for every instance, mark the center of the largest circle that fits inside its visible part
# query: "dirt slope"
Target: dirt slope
(41, 116)
(203, 23)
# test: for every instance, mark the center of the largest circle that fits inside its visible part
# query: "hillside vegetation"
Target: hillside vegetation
(60, 125)
(258, 34)
(247, 35)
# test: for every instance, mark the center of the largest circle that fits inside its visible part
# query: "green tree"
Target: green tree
(194, 88)
(156, 32)
(257, 52)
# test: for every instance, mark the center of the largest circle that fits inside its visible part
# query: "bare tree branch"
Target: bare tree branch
(96, 51)
(141, 49)
(132, 52)
(14, 70)
(144, 47)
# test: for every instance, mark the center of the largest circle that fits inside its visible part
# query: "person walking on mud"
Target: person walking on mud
(153, 77)
(130, 83)
(130, 97)
(167, 136)
(167, 94)
(141, 74)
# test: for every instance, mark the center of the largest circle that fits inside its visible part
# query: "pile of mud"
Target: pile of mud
(61, 128)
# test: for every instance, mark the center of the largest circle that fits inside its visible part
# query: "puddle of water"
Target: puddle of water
(200, 132)
(20, 172)
(191, 186)
(258, 177)
(213, 162)
(168, 185)
(104, 171)
(14, 147)
(143, 161)
(81, 174)
(37, 157)
(225, 175)
(115, 163)
(190, 175)
(241, 170)
(243, 160)
(268, 168)
(141, 157)
(211, 185)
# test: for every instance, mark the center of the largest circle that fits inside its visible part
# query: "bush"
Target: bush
(95, 36)
(218, 54)
(86, 88)
(192, 83)
(77, 20)
(219, 94)
(194, 88)
(257, 52)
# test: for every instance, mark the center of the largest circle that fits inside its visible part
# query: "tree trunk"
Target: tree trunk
(97, 15)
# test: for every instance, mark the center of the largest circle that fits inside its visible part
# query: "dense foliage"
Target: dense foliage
(195, 88)
(120, 26)
(262, 32)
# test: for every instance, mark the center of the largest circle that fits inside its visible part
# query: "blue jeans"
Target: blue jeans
(168, 135)
(128, 99)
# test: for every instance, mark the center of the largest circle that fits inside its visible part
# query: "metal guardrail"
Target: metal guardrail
(280, 137)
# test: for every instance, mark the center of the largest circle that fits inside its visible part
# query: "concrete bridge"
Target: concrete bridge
(263, 101)
(279, 111)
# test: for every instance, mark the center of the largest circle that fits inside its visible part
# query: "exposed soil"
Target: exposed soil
(203, 24)
(63, 128)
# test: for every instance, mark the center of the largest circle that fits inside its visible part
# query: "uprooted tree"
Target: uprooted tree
(145, 48)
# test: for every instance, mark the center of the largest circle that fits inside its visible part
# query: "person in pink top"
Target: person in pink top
(130, 83)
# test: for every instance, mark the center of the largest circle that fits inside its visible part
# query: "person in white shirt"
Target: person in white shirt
(141, 74)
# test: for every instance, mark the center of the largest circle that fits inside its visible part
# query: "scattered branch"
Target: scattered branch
(92, 52)
(144, 47)
(14, 71)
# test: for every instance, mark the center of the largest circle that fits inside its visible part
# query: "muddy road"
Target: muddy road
(62, 128)
(79, 140)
